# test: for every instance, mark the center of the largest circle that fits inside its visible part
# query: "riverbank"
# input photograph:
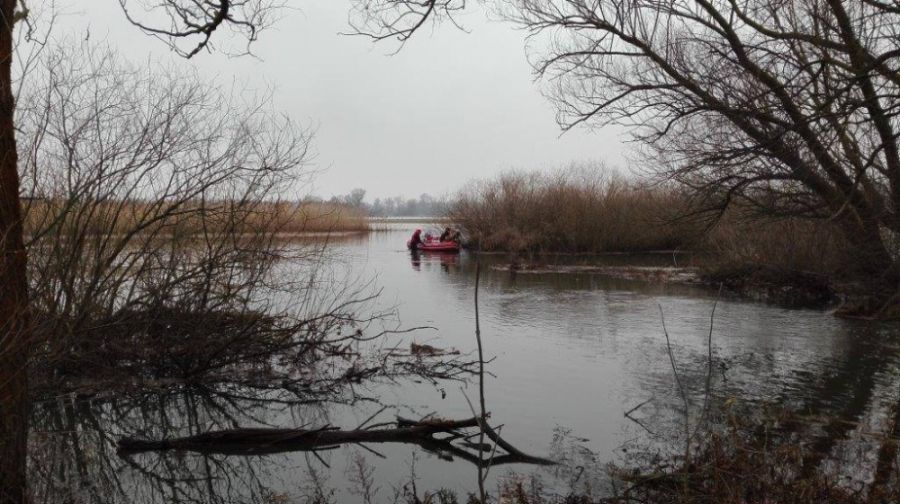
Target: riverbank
(783, 288)
(790, 261)
(744, 457)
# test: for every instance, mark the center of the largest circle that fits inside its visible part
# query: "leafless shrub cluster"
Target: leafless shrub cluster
(587, 209)
(117, 162)
(158, 240)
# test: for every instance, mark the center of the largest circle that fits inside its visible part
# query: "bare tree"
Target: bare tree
(174, 21)
(399, 19)
(790, 107)
(187, 26)
(149, 191)
(14, 321)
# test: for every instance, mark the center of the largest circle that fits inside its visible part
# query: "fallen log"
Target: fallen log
(265, 441)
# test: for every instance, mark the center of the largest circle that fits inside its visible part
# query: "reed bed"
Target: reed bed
(573, 210)
(592, 210)
(124, 216)
(315, 217)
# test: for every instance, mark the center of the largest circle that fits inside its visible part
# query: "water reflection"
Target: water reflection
(445, 260)
(75, 457)
(76, 460)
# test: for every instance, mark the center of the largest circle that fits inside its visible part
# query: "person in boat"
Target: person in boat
(451, 235)
(416, 240)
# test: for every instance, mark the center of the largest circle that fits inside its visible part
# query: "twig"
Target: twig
(360, 426)
(681, 390)
(482, 424)
(314, 452)
(635, 420)
(709, 358)
(632, 410)
(371, 450)
(684, 398)
(490, 459)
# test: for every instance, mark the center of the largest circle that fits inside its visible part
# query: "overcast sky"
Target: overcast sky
(450, 107)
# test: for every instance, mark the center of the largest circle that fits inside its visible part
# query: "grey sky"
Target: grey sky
(449, 107)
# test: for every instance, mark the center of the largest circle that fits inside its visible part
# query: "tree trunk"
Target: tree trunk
(873, 275)
(14, 323)
(872, 259)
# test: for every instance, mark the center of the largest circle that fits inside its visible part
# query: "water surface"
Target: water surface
(570, 353)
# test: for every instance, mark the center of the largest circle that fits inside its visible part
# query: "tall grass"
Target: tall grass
(579, 209)
(114, 217)
(320, 217)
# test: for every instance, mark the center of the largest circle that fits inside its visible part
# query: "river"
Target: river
(570, 355)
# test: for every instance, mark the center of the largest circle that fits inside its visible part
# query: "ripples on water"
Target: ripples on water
(573, 353)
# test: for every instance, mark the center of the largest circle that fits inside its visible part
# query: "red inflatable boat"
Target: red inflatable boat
(437, 246)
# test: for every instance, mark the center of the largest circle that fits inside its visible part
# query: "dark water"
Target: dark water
(572, 354)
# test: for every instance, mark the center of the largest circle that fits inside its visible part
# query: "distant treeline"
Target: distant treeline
(425, 205)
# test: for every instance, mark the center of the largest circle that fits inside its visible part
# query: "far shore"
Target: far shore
(409, 220)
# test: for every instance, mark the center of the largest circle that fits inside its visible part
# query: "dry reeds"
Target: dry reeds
(319, 217)
(749, 459)
(791, 244)
(585, 209)
(116, 217)
(579, 209)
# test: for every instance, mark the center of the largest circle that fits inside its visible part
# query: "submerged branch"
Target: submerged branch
(263, 441)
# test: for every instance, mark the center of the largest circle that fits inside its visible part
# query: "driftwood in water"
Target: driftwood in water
(262, 441)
